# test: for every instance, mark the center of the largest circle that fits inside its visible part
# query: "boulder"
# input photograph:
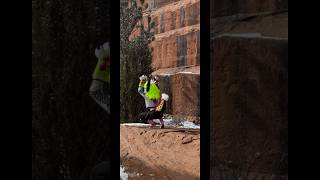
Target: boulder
(249, 96)
(183, 87)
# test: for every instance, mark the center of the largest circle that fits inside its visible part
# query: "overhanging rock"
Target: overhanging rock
(183, 86)
(230, 7)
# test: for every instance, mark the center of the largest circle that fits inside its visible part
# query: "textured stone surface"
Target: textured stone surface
(156, 4)
(186, 94)
(176, 15)
(249, 89)
(267, 24)
(183, 87)
(250, 97)
(230, 7)
(179, 48)
(177, 37)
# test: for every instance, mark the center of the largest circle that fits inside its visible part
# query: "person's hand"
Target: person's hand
(143, 78)
(165, 96)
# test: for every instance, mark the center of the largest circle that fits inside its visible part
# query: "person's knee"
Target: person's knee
(140, 118)
(143, 117)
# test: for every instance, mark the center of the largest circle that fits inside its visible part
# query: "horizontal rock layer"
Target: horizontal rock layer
(174, 16)
(177, 48)
(231, 7)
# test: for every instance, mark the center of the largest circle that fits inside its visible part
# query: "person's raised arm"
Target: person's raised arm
(143, 80)
(99, 88)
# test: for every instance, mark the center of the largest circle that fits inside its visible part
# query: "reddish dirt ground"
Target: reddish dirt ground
(160, 153)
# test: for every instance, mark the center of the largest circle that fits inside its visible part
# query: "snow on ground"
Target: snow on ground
(136, 124)
(167, 123)
(123, 174)
(189, 125)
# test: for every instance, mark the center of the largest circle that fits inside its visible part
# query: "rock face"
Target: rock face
(177, 39)
(183, 86)
(176, 52)
(250, 86)
(249, 90)
(176, 15)
(177, 49)
(154, 4)
(230, 7)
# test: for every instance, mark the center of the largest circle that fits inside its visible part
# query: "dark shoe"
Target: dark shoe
(151, 123)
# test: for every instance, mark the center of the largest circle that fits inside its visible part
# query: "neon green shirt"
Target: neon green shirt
(102, 71)
(154, 92)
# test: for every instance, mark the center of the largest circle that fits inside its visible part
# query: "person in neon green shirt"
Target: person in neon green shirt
(100, 85)
(149, 90)
(154, 100)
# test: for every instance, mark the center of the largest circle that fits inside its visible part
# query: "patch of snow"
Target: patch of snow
(123, 174)
(185, 124)
(189, 125)
(167, 123)
(136, 124)
(186, 72)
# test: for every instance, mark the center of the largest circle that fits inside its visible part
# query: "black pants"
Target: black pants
(148, 115)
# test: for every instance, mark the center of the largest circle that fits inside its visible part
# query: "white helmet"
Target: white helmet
(103, 51)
